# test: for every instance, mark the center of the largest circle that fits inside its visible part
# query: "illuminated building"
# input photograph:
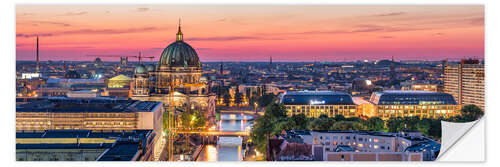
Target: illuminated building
(118, 86)
(119, 81)
(425, 87)
(60, 87)
(88, 113)
(465, 81)
(413, 103)
(85, 145)
(178, 75)
(316, 103)
(420, 86)
(365, 145)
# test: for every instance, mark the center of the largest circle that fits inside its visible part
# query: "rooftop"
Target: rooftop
(395, 97)
(316, 98)
(123, 146)
(62, 104)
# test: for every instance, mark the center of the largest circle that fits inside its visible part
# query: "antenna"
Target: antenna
(37, 60)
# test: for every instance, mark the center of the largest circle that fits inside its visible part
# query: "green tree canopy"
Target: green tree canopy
(471, 113)
(375, 124)
(348, 125)
(276, 111)
(300, 121)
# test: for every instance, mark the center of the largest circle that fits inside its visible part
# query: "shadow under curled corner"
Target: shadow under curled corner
(452, 133)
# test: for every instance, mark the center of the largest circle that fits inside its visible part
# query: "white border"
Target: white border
(7, 43)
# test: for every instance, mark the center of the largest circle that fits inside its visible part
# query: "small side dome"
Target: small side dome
(150, 68)
(140, 69)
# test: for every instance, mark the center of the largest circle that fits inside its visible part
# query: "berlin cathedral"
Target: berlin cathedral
(176, 76)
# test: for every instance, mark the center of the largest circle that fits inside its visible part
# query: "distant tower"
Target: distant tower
(271, 63)
(37, 60)
(392, 70)
(221, 70)
(123, 61)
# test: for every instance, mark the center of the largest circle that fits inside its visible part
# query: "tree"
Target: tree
(276, 111)
(471, 113)
(321, 123)
(300, 121)
(266, 99)
(263, 127)
(197, 120)
(435, 128)
(285, 124)
(348, 125)
(375, 124)
(395, 124)
(339, 118)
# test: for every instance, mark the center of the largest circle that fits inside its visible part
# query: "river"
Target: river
(227, 151)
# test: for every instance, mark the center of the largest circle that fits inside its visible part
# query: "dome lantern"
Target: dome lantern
(178, 54)
(179, 36)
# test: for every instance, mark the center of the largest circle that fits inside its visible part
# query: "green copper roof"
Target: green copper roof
(179, 54)
(140, 69)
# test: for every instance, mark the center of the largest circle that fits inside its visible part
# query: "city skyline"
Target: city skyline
(236, 33)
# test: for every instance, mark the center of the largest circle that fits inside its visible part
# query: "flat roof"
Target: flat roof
(124, 146)
(64, 104)
(395, 97)
(80, 134)
(316, 98)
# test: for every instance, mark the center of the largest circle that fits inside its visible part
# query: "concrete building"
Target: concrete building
(465, 82)
(86, 145)
(366, 145)
(88, 113)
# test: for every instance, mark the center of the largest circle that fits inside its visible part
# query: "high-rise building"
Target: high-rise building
(465, 82)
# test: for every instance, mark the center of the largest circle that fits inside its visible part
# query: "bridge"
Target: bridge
(241, 111)
(217, 133)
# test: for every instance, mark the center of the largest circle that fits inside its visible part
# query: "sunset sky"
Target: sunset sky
(253, 33)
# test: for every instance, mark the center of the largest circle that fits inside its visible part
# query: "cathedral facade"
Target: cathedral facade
(176, 80)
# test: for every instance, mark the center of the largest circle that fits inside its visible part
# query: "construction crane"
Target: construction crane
(139, 57)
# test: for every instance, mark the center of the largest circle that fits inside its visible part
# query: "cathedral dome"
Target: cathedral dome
(140, 69)
(179, 54)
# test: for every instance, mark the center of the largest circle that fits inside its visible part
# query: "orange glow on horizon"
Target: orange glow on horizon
(253, 33)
